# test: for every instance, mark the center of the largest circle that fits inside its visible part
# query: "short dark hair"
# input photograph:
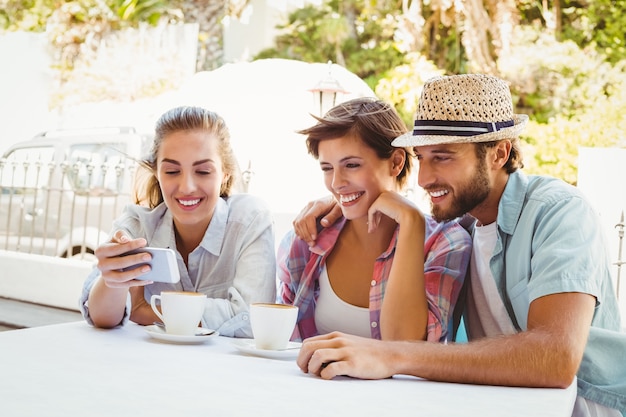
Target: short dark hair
(515, 160)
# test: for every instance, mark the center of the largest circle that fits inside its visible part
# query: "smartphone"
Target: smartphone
(163, 265)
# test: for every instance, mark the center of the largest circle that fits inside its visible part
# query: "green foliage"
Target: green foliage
(552, 148)
(597, 24)
(30, 16)
(77, 25)
(33, 15)
(600, 24)
(402, 85)
(83, 71)
(351, 31)
(137, 11)
(574, 98)
(560, 80)
(572, 83)
(300, 38)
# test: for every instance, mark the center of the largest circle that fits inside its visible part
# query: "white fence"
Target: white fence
(54, 209)
(61, 208)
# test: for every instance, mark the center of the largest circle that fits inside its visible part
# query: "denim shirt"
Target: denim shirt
(551, 241)
(234, 265)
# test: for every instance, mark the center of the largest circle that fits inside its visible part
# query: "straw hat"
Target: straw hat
(464, 109)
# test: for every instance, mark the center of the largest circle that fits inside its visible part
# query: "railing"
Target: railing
(61, 208)
(67, 208)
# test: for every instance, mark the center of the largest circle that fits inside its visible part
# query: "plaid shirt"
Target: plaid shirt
(447, 250)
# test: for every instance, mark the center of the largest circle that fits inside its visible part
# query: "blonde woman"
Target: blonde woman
(224, 242)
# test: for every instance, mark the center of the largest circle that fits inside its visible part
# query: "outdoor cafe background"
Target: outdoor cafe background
(264, 103)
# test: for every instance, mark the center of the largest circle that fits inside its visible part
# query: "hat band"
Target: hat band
(457, 128)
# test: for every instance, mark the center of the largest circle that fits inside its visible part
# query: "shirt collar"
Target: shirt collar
(512, 202)
(214, 235)
(164, 236)
(328, 236)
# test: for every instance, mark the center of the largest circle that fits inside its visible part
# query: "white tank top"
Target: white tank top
(487, 313)
(334, 314)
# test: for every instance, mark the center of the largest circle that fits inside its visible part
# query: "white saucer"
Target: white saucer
(201, 336)
(248, 346)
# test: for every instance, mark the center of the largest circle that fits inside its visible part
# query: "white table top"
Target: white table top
(75, 370)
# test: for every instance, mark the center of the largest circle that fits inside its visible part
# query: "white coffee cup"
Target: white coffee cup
(272, 324)
(181, 311)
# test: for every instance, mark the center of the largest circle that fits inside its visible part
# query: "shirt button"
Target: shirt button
(374, 324)
(373, 283)
(245, 317)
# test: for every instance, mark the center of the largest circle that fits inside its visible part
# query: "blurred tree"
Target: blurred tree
(357, 34)
(590, 23)
(554, 53)
(458, 36)
(77, 22)
(602, 24)
(24, 15)
(137, 11)
(402, 86)
(208, 14)
(552, 148)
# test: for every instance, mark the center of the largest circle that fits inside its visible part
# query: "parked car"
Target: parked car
(61, 190)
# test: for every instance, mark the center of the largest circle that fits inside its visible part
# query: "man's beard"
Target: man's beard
(468, 195)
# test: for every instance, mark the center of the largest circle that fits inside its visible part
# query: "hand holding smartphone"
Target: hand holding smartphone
(163, 266)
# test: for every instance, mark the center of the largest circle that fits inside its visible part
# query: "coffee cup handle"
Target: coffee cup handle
(154, 307)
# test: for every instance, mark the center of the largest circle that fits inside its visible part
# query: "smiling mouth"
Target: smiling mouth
(348, 198)
(438, 193)
(189, 203)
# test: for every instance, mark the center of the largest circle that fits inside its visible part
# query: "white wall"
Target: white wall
(39, 279)
(602, 177)
(142, 55)
(25, 84)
